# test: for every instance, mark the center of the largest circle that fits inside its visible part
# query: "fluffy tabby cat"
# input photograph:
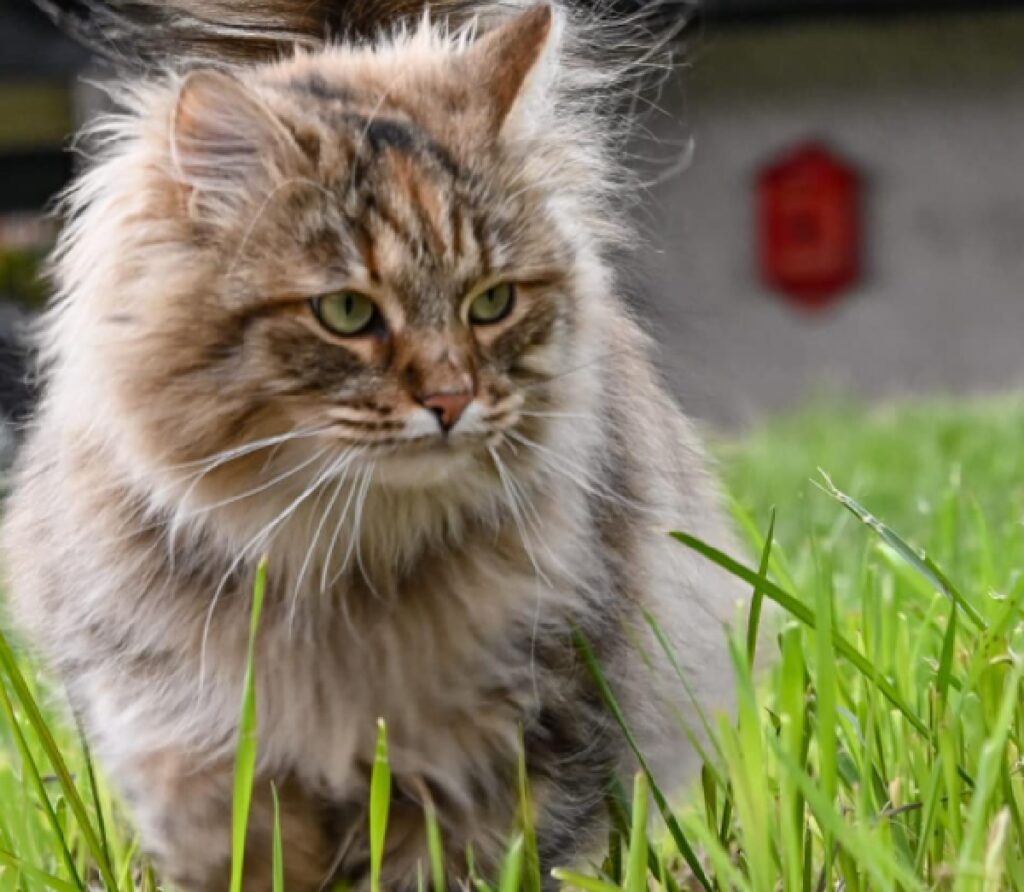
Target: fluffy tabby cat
(353, 310)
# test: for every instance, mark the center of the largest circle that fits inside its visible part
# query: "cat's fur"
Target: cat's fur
(197, 417)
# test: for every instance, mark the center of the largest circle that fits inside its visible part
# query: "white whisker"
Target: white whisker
(582, 477)
(326, 568)
(255, 544)
(340, 466)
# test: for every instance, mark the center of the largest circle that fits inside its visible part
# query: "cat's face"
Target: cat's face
(371, 264)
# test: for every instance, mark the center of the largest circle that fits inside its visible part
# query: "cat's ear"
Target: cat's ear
(512, 67)
(223, 140)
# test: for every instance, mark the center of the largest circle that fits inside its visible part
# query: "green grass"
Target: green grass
(883, 751)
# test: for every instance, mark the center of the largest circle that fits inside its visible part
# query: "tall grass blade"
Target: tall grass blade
(435, 848)
(636, 865)
(46, 739)
(512, 869)
(584, 883)
(993, 754)
(757, 600)
(801, 612)
(40, 876)
(245, 753)
(90, 772)
(380, 804)
(675, 831)
(277, 855)
(532, 881)
(36, 780)
(922, 563)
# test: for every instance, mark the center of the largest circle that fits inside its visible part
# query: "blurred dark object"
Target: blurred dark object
(30, 47)
(775, 10)
(144, 30)
(18, 392)
(32, 176)
(17, 387)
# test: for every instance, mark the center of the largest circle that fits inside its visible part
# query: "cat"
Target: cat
(354, 310)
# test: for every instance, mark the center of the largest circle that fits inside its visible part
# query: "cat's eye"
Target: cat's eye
(346, 313)
(492, 305)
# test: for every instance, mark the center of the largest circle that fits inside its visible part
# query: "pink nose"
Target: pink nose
(448, 407)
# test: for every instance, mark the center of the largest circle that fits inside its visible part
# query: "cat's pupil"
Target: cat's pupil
(350, 305)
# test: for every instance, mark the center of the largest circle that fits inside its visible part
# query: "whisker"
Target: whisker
(248, 448)
(263, 487)
(574, 416)
(357, 516)
(182, 517)
(334, 539)
(575, 369)
(585, 481)
(515, 510)
(256, 543)
(339, 468)
(360, 506)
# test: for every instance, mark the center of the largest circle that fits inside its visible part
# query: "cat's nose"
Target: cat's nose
(448, 407)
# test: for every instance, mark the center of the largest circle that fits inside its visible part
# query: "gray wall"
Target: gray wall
(932, 110)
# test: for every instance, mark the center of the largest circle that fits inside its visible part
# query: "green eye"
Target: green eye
(492, 305)
(346, 313)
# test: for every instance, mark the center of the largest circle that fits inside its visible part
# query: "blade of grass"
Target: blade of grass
(39, 876)
(675, 831)
(620, 816)
(945, 672)
(380, 804)
(245, 753)
(993, 752)
(46, 739)
(36, 780)
(995, 852)
(527, 824)
(922, 563)
(277, 856)
(435, 847)
(827, 694)
(127, 865)
(512, 869)
(885, 871)
(636, 864)
(90, 773)
(757, 600)
(721, 861)
(584, 883)
(801, 612)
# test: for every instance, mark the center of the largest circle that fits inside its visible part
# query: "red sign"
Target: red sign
(809, 226)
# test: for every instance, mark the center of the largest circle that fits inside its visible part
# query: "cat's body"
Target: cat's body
(442, 500)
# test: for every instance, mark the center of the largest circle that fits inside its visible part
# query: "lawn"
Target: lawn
(883, 751)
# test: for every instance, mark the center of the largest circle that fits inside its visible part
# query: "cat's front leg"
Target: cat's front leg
(183, 809)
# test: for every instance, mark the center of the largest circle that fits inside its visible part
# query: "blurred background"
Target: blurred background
(841, 211)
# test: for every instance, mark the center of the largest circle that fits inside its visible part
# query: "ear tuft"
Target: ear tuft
(504, 61)
(221, 134)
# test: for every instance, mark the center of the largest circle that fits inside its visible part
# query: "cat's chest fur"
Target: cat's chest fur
(454, 684)
(455, 655)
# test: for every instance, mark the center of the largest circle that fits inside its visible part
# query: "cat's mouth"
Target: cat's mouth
(426, 460)
(441, 444)
(421, 433)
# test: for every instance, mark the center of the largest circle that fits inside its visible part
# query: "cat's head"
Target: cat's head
(382, 254)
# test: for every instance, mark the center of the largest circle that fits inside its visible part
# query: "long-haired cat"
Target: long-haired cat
(353, 310)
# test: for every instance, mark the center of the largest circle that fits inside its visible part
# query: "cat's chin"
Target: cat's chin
(423, 469)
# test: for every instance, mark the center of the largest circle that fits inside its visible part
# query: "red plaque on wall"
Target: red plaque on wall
(809, 226)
